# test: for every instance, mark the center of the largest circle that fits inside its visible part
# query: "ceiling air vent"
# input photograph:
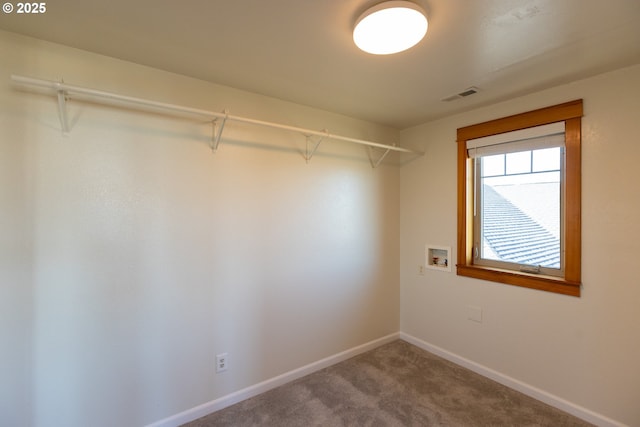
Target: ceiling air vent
(467, 92)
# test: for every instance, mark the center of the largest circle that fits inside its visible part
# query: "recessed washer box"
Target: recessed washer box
(438, 257)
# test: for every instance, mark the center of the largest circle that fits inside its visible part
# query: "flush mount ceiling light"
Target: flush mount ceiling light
(390, 27)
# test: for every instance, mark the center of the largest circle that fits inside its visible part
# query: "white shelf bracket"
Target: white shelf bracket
(62, 111)
(376, 162)
(217, 128)
(312, 146)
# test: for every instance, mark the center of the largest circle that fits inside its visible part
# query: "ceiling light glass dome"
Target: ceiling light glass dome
(390, 27)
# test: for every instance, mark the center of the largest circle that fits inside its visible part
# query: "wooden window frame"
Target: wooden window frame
(571, 114)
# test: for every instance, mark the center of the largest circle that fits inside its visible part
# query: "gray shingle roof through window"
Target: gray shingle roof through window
(514, 236)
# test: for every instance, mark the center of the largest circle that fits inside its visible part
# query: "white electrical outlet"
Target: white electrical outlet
(222, 362)
(421, 270)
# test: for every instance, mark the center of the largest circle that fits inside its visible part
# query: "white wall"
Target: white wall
(131, 255)
(16, 309)
(585, 350)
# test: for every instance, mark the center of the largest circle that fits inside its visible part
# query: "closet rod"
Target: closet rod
(67, 89)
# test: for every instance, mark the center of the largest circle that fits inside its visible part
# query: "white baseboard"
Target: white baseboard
(536, 393)
(254, 390)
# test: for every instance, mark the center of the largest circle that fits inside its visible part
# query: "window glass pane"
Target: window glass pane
(493, 165)
(546, 160)
(520, 214)
(519, 162)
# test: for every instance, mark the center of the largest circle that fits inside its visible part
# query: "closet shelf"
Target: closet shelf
(65, 91)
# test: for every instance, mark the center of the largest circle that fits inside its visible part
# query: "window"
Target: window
(519, 199)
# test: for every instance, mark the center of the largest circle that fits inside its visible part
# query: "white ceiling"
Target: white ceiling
(302, 50)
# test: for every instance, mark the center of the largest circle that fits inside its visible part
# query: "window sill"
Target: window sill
(533, 281)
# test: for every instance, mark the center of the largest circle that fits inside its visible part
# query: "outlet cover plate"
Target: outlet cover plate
(222, 362)
(474, 313)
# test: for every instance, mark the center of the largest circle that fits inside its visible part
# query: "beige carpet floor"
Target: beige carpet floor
(397, 384)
